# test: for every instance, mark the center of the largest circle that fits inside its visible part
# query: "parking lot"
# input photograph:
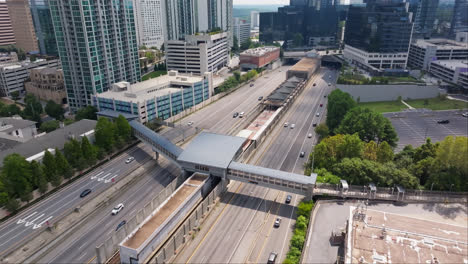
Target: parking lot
(413, 127)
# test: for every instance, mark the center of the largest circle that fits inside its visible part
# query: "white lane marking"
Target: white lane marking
(105, 176)
(82, 255)
(24, 219)
(11, 230)
(6, 241)
(110, 179)
(95, 176)
(40, 224)
(32, 222)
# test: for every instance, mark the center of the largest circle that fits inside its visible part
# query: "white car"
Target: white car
(310, 135)
(318, 114)
(129, 159)
(117, 209)
(286, 124)
(465, 114)
(190, 123)
(293, 126)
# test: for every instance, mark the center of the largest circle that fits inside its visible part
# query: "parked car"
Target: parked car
(443, 121)
(272, 258)
(310, 135)
(85, 192)
(286, 124)
(260, 98)
(293, 126)
(120, 225)
(302, 154)
(277, 222)
(288, 199)
(129, 159)
(117, 208)
(235, 115)
(241, 114)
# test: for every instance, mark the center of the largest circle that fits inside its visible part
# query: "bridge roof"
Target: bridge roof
(157, 138)
(212, 150)
(283, 175)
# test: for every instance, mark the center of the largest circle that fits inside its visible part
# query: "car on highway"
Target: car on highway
(314, 84)
(260, 98)
(286, 124)
(288, 199)
(235, 115)
(465, 114)
(314, 124)
(129, 159)
(325, 96)
(190, 123)
(310, 135)
(329, 84)
(117, 208)
(251, 84)
(443, 121)
(241, 114)
(277, 222)
(293, 126)
(120, 225)
(272, 258)
(302, 154)
(85, 192)
(321, 105)
(317, 114)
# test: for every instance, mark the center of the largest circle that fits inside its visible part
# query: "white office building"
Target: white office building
(451, 71)
(423, 52)
(198, 54)
(241, 30)
(254, 19)
(375, 60)
(149, 22)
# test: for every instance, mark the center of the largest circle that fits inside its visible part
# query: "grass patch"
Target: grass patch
(438, 103)
(152, 75)
(383, 107)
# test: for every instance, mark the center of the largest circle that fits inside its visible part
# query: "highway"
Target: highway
(242, 231)
(216, 117)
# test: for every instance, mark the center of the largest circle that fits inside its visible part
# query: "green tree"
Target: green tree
(50, 168)
(370, 151)
(88, 112)
(246, 44)
(72, 152)
(105, 134)
(150, 56)
(304, 208)
(425, 151)
(49, 126)
(322, 131)
(89, 152)
(63, 167)
(123, 128)
(384, 153)
(3, 198)
(15, 95)
(333, 149)
(235, 45)
(339, 103)
(12, 205)
(237, 75)
(9, 110)
(39, 178)
(54, 110)
(16, 176)
(324, 176)
(33, 108)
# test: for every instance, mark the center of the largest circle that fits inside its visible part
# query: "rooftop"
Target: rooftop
(17, 65)
(212, 150)
(305, 64)
(441, 43)
(8, 124)
(384, 237)
(452, 64)
(260, 51)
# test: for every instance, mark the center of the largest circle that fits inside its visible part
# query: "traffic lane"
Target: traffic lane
(37, 217)
(105, 223)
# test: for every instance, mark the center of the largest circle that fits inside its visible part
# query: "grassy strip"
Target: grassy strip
(300, 231)
(152, 75)
(437, 103)
(383, 107)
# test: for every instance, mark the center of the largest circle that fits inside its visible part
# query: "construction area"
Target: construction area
(381, 237)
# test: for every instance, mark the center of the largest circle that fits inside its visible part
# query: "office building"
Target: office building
(241, 30)
(299, 23)
(254, 19)
(7, 37)
(47, 84)
(198, 54)
(423, 52)
(377, 35)
(160, 97)
(451, 71)
(13, 75)
(17, 129)
(258, 57)
(149, 22)
(8, 57)
(459, 17)
(106, 54)
(43, 26)
(23, 27)
(189, 17)
(424, 20)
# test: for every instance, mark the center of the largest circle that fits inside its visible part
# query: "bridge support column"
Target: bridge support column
(224, 184)
(156, 154)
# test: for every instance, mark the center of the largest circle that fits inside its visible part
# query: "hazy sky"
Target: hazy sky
(261, 2)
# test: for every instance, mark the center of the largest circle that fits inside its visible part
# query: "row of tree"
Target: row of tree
(19, 178)
(236, 79)
(304, 209)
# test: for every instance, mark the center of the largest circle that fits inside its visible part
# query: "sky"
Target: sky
(261, 2)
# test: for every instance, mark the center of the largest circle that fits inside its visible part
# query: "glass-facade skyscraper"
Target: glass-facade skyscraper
(459, 18)
(425, 17)
(44, 27)
(97, 45)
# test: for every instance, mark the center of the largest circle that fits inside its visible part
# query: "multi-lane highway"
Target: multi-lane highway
(241, 230)
(216, 117)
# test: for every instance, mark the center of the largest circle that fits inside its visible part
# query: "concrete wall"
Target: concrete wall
(377, 93)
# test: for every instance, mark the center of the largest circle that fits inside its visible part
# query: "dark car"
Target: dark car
(321, 105)
(85, 192)
(251, 84)
(235, 115)
(288, 199)
(325, 96)
(120, 225)
(260, 98)
(443, 121)
(272, 258)
(314, 125)
(314, 84)
(302, 154)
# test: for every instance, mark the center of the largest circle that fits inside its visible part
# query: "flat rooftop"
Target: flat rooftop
(165, 211)
(392, 238)
(305, 64)
(441, 43)
(260, 51)
(211, 149)
(452, 64)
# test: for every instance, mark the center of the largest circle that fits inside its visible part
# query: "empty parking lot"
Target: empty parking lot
(414, 126)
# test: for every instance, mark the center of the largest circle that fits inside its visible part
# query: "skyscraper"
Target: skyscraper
(23, 26)
(254, 19)
(43, 26)
(97, 44)
(149, 22)
(459, 18)
(425, 17)
(7, 37)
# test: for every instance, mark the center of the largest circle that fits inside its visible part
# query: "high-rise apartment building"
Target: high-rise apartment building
(189, 17)
(254, 19)
(97, 45)
(149, 22)
(241, 30)
(425, 17)
(44, 28)
(377, 35)
(23, 26)
(7, 37)
(459, 17)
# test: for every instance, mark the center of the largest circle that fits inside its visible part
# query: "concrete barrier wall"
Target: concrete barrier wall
(376, 93)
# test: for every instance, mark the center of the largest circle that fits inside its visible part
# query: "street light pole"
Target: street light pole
(432, 185)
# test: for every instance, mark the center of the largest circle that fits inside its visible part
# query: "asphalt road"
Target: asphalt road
(216, 117)
(243, 232)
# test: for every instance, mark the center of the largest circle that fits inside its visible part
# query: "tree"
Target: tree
(88, 112)
(72, 152)
(322, 131)
(89, 152)
(49, 126)
(123, 128)
(246, 44)
(425, 151)
(105, 134)
(384, 153)
(150, 56)
(325, 176)
(235, 45)
(54, 110)
(63, 167)
(33, 108)
(298, 40)
(370, 151)
(9, 110)
(16, 176)
(304, 209)
(50, 168)
(12, 205)
(15, 95)
(339, 103)
(39, 178)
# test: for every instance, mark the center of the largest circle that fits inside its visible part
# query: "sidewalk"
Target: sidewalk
(409, 106)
